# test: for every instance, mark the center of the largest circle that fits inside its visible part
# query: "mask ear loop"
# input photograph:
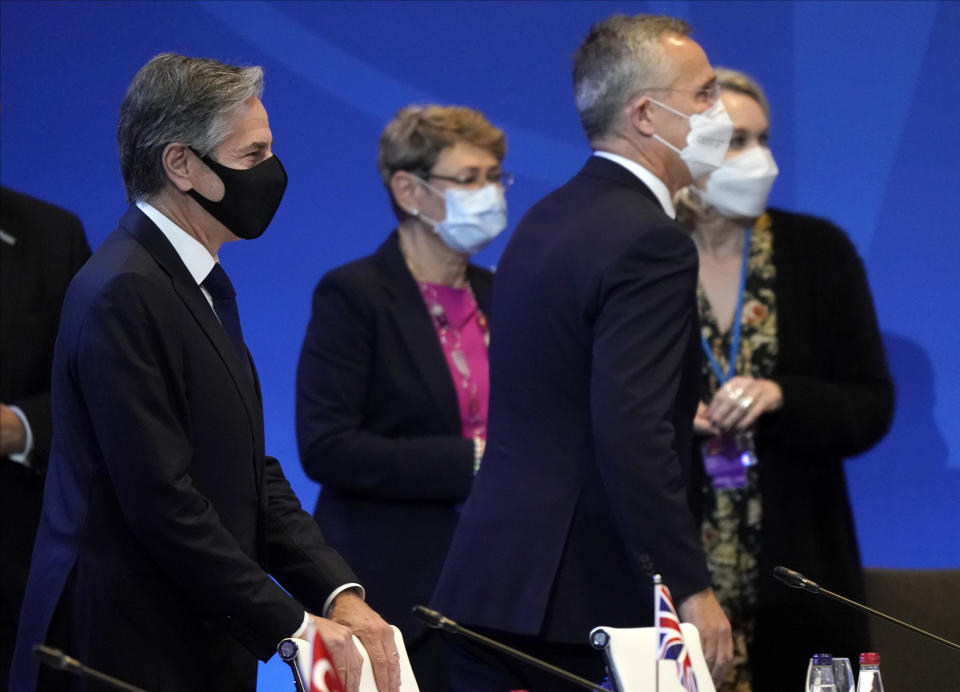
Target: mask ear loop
(415, 213)
(656, 135)
(432, 223)
(438, 193)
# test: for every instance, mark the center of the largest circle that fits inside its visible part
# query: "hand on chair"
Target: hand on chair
(375, 634)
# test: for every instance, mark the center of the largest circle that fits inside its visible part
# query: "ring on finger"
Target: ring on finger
(746, 402)
(734, 392)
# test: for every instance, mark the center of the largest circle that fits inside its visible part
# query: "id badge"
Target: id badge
(722, 460)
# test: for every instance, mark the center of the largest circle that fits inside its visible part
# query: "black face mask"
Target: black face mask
(250, 198)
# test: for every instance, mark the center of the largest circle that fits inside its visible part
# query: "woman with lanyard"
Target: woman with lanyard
(794, 380)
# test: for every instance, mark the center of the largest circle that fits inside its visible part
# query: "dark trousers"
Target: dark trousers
(476, 668)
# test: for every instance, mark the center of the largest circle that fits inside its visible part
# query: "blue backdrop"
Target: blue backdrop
(865, 98)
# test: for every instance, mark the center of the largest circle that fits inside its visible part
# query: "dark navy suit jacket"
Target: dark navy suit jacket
(47, 248)
(594, 383)
(162, 515)
(378, 425)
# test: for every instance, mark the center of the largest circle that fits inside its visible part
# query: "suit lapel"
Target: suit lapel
(412, 321)
(147, 234)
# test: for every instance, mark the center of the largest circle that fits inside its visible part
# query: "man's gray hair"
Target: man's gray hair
(619, 58)
(174, 98)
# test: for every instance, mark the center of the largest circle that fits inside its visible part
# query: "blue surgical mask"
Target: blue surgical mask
(473, 217)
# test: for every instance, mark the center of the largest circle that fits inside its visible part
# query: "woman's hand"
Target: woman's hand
(739, 402)
(702, 424)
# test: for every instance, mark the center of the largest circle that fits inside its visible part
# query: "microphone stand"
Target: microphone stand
(798, 581)
(288, 651)
(58, 660)
(438, 621)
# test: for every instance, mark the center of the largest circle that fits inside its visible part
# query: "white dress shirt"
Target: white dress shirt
(24, 456)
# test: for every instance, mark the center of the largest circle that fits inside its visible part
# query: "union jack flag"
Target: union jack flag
(670, 646)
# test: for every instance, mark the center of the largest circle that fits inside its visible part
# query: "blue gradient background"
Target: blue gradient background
(865, 98)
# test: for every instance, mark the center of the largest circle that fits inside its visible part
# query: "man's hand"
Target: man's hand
(703, 610)
(346, 658)
(13, 437)
(376, 636)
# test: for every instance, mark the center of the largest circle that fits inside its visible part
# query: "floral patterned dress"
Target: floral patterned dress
(732, 517)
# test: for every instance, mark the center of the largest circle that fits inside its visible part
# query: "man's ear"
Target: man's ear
(179, 163)
(406, 191)
(639, 116)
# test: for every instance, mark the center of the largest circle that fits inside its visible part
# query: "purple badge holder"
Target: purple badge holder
(725, 462)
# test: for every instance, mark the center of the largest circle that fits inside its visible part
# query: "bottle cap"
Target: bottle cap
(870, 658)
(822, 660)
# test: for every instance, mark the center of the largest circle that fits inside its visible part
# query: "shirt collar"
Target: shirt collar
(657, 186)
(193, 254)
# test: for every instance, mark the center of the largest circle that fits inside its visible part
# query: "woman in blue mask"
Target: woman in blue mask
(794, 380)
(392, 384)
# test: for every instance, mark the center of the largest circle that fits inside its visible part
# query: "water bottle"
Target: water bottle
(820, 674)
(869, 678)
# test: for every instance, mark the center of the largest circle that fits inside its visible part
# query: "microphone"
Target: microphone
(288, 652)
(795, 579)
(56, 659)
(798, 581)
(432, 618)
(439, 621)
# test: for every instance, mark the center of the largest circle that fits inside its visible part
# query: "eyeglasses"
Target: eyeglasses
(711, 93)
(496, 177)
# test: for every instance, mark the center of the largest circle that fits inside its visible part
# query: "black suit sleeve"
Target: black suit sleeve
(641, 335)
(846, 406)
(297, 555)
(334, 377)
(64, 252)
(126, 376)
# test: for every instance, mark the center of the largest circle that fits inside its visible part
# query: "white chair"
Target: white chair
(631, 659)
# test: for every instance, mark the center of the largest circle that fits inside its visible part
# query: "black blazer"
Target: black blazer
(162, 515)
(378, 425)
(594, 384)
(838, 402)
(48, 248)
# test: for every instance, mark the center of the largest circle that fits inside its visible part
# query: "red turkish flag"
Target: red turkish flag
(319, 674)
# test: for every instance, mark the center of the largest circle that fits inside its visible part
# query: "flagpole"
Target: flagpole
(657, 581)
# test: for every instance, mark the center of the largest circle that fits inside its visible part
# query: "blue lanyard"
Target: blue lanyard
(737, 323)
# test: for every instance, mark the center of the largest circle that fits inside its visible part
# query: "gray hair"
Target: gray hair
(174, 98)
(417, 135)
(620, 57)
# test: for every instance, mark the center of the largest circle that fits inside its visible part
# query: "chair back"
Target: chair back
(930, 600)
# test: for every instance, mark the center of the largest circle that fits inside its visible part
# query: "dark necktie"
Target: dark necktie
(225, 305)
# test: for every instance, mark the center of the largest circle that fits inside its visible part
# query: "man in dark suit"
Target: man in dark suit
(582, 494)
(41, 248)
(163, 519)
